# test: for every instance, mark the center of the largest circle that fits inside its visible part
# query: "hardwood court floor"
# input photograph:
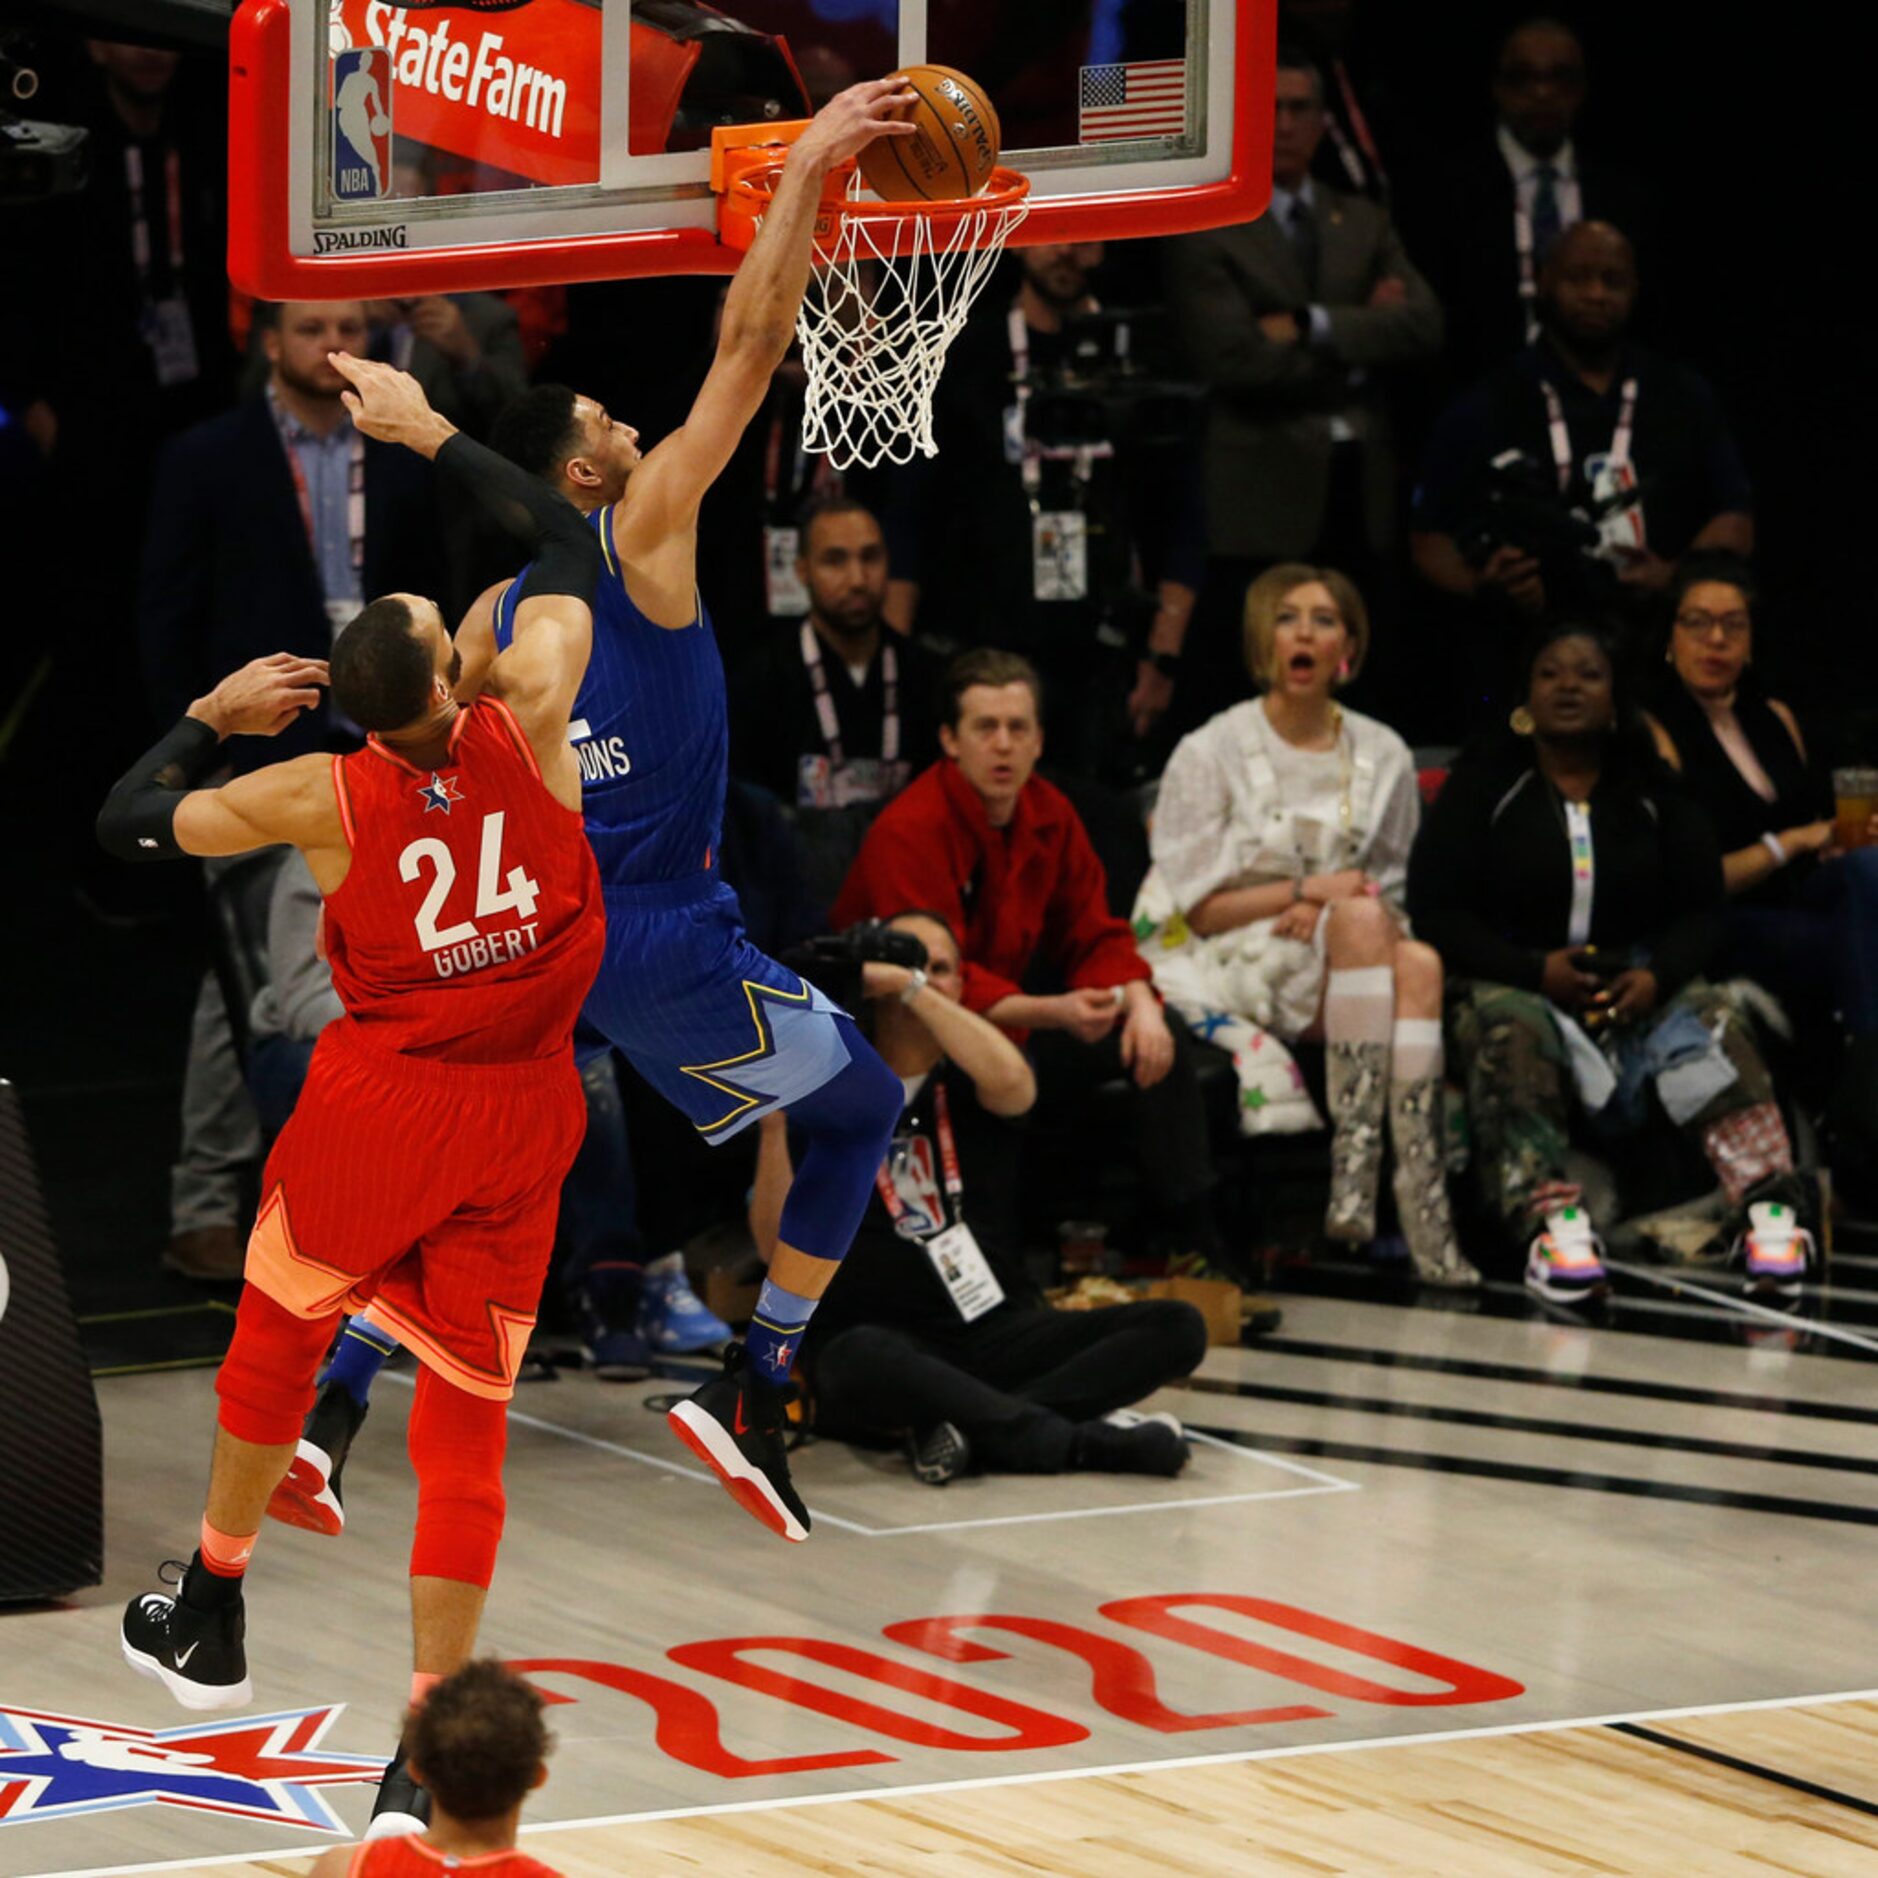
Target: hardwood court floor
(1398, 1523)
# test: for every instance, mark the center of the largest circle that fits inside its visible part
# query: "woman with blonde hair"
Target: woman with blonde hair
(1282, 836)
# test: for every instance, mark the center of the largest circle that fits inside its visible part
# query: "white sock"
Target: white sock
(1416, 1049)
(1359, 1005)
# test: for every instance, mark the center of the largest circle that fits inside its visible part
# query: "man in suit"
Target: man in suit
(1292, 321)
(1494, 215)
(269, 526)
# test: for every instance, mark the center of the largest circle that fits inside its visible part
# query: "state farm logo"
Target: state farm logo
(482, 77)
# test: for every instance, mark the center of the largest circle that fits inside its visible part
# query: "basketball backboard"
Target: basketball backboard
(378, 149)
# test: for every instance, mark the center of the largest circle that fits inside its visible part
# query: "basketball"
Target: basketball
(956, 146)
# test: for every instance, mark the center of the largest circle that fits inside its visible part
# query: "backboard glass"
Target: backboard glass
(378, 149)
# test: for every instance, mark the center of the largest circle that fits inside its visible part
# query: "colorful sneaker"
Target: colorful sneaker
(673, 1319)
(1563, 1264)
(402, 1806)
(192, 1643)
(309, 1496)
(735, 1424)
(1777, 1250)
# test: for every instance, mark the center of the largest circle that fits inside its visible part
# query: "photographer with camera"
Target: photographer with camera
(1574, 893)
(1577, 474)
(935, 1332)
(1072, 476)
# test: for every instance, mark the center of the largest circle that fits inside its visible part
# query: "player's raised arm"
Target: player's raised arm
(156, 810)
(759, 312)
(538, 677)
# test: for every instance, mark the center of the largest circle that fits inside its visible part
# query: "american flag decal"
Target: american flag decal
(1144, 99)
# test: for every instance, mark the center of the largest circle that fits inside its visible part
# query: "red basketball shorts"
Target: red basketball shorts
(426, 1189)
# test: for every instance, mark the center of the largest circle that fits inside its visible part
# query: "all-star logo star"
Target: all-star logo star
(439, 792)
(249, 1766)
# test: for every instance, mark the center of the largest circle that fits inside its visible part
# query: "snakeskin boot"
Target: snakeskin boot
(1421, 1184)
(1358, 1080)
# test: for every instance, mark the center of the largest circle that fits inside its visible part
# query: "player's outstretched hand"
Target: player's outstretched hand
(263, 697)
(390, 405)
(852, 119)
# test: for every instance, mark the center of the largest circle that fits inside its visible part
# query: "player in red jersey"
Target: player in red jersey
(481, 1747)
(463, 922)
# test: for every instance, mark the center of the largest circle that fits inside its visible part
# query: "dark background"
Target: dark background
(1749, 133)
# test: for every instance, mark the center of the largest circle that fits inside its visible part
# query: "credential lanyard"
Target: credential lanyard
(355, 489)
(825, 703)
(140, 220)
(1031, 453)
(1562, 438)
(1352, 153)
(949, 1174)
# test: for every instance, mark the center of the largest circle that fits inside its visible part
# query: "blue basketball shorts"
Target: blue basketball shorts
(718, 1028)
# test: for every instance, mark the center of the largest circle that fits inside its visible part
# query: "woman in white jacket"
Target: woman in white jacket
(1282, 835)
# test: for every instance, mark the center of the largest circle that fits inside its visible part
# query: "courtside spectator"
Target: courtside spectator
(836, 713)
(1293, 322)
(1281, 837)
(1577, 474)
(1802, 915)
(1487, 223)
(936, 1332)
(1570, 887)
(1003, 859)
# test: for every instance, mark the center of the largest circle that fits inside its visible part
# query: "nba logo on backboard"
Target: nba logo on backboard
(362, 125)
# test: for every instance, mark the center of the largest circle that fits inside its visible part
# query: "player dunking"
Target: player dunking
(463, 925)
(721, 1030)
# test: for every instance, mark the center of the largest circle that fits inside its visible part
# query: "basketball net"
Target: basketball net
(889, 293)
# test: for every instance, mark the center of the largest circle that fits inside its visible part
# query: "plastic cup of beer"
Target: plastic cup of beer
(1855, 796)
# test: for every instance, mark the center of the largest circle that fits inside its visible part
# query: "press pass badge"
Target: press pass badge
(362, 125)
(171, 337)
(784, 593)
(1059, 555)
(964, 1271)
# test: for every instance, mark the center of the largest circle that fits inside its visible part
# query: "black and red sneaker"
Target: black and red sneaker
(309, 1496)
(736, 1424)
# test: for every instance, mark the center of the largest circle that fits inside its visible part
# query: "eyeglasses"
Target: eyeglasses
(1700, 625)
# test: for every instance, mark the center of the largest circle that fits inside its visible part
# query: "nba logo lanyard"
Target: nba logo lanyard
(1624, 530)
(953, 1251)
(355, 491)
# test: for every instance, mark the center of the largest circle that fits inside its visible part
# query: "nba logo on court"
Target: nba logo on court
(362, 125)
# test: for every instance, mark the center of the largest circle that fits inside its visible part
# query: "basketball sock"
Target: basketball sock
(1415, 1049)
(775, 1332)
(1359, 1004)
(422, 1682)
(226, 1554)
(358, 1357)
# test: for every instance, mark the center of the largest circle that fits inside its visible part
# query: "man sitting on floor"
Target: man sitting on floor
(935, 1330)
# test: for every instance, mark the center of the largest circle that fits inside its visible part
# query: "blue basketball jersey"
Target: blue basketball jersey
(651, 732)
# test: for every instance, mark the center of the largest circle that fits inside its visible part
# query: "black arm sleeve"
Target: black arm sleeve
(137, 822)
(566, 548)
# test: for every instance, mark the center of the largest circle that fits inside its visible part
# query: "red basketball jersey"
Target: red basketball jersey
(408, 1858)
(469, 926)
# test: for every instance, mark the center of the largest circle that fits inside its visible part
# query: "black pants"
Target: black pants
(1167, 1121)
(1016, 1382)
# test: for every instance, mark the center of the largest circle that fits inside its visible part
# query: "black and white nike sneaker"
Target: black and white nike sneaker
(309, 1496)
(735, 1424)
(191, 1643)
(402, 1806)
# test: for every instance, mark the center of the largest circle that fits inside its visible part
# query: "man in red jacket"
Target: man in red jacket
(1004, 859)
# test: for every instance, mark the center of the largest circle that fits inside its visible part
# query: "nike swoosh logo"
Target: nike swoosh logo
(738, 1425)
(183, 1656)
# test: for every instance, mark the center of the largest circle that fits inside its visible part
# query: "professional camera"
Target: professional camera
(832, 962)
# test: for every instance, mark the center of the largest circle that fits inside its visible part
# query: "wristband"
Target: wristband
(914, 985)
(1772, 844)
(1166, 663)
